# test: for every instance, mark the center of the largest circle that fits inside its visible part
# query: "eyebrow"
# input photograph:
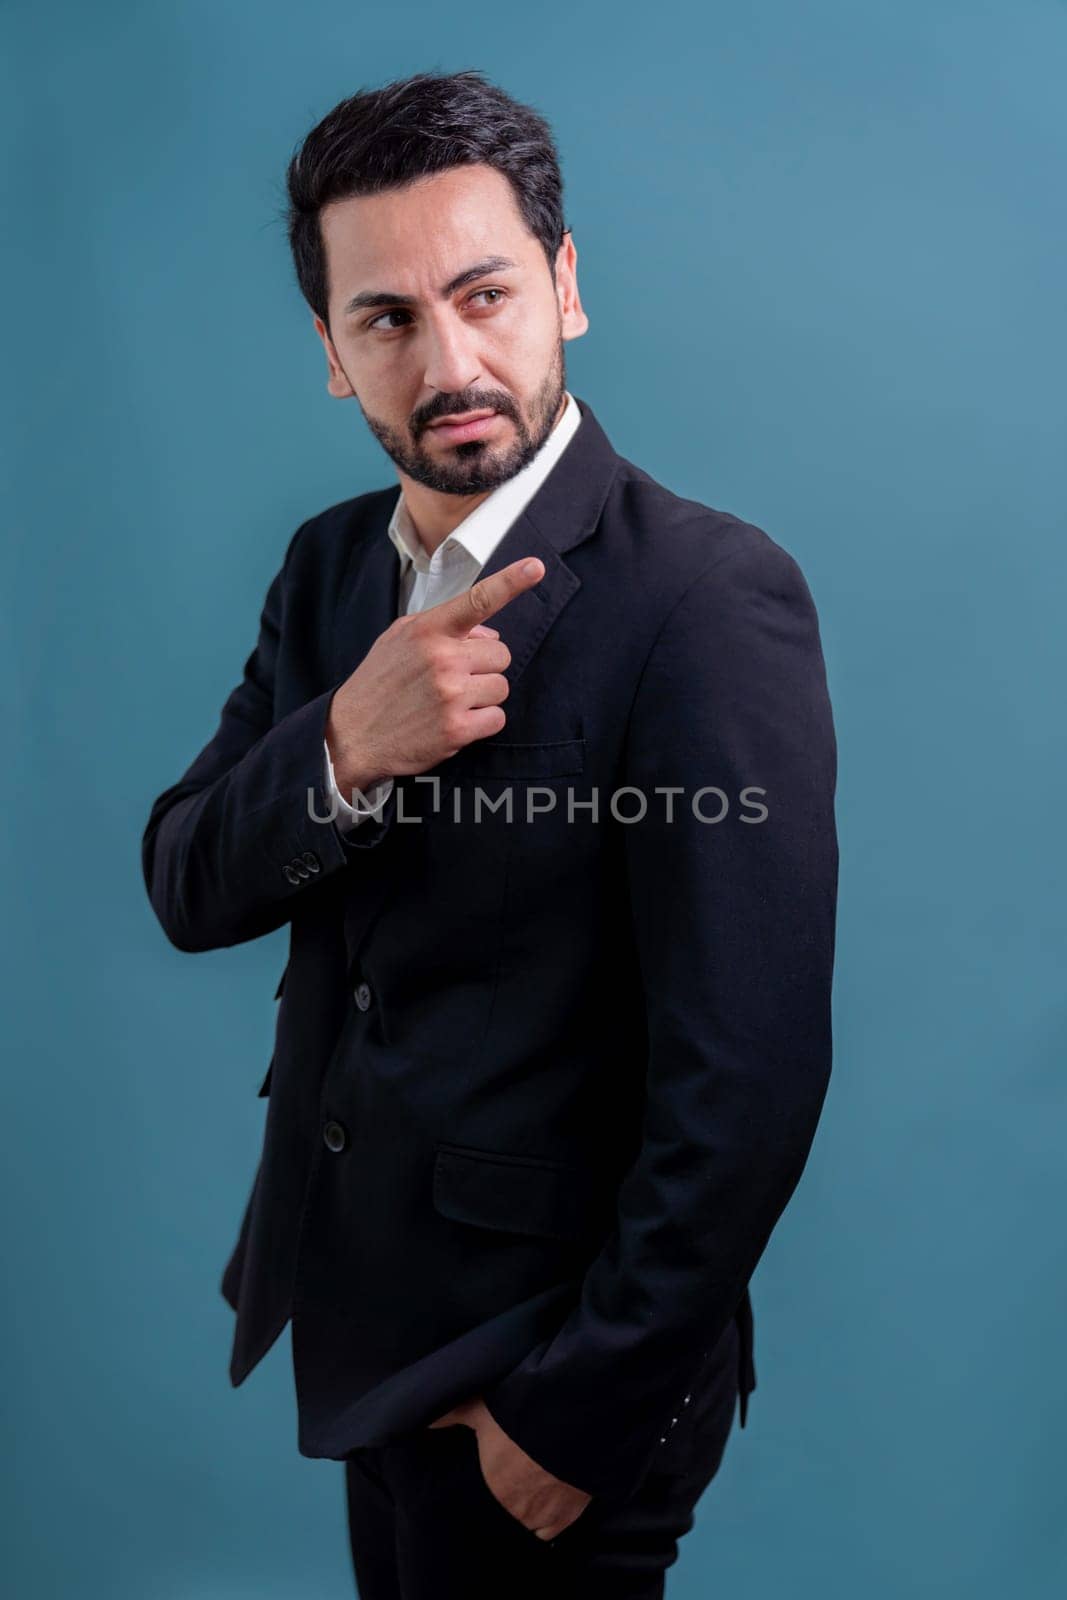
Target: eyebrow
(377, 298)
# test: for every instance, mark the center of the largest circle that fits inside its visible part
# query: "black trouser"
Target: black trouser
(424, 1524)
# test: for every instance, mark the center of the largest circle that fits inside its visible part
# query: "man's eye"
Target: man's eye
(478, 292)
(398, 312)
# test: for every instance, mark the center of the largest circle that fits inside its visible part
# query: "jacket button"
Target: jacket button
(310, 859)
(362, 995)
(334, 1135)
(291, 873)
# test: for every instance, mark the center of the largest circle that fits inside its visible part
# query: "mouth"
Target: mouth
(470, 425)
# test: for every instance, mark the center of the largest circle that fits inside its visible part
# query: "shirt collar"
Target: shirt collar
(478, 535)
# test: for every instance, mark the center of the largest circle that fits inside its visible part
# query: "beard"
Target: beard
(479, 464)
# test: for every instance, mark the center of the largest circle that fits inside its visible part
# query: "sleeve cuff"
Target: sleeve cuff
(350, 815)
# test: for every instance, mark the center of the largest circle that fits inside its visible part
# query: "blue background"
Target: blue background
(821, 247)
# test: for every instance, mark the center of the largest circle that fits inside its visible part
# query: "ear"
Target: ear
(573, 320)
(337, 383)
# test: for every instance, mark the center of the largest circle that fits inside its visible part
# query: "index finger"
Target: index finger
(486, 596)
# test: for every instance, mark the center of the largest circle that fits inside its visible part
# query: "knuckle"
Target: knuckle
(448, 684)
(437, 658)
(480, 598)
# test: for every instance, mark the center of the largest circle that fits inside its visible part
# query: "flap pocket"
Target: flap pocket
(503, 758)
(514, 1193)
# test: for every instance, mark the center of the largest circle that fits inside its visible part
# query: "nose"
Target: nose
(451, 363)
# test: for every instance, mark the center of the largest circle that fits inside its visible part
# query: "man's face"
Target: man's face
(441, 303)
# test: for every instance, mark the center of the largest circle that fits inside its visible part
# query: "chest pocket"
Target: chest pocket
(506, 758)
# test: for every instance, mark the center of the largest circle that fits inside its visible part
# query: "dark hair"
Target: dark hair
(385, 138)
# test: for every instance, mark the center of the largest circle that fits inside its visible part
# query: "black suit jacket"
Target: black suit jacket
(541, 1087)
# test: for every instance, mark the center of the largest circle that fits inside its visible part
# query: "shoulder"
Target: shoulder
(674, 547)
(321, 550)
(328, 539)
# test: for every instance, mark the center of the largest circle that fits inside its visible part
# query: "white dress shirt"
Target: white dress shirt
(455, 564)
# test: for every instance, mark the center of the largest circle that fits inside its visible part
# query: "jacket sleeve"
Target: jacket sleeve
(249, 826)
(734, 925)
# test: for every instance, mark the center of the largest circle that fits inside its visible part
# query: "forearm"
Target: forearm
(249, 826)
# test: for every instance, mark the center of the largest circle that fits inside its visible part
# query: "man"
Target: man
(536, 760)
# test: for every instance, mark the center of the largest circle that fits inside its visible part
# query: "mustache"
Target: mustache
(456, 405)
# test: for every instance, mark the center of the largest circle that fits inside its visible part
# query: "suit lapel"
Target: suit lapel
(370, 591)
(561, 515)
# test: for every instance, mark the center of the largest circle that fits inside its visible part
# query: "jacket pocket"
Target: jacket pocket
(513, 1193)
(502, 758)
